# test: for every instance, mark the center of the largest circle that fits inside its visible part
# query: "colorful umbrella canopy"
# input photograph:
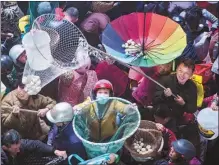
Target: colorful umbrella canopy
(164, 40)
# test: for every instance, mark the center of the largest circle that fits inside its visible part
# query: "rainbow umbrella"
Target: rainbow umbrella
(163, 39)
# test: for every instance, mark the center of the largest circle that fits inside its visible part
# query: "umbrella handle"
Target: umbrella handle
(140, 72)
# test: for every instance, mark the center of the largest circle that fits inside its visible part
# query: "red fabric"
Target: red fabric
(188, 117)
(212, 8)
(208, 100)
(59, 13)
(203, 4)
(116, 76)
(172, 137)
(145, 90)
(204, 70)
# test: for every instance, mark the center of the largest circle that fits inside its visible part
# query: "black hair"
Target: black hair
(10, 137)
(72, 12)
(20, 84)
(193, 17)
(162, 111)
(176, 11)
(160, 8)
(188, 63)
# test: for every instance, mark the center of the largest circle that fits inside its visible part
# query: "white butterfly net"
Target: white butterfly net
(53, 47)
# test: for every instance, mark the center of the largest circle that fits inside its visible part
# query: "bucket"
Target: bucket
(37, 46)
(208, 123)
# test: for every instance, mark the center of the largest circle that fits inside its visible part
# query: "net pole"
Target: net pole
(130, 67)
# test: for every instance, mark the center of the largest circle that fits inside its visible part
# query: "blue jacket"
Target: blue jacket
(65, 139)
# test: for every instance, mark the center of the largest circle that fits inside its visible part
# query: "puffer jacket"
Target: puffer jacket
(65, 139)
(26, 123)
(107, 127)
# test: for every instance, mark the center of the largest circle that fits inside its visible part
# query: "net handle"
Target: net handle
(23, 110)
(32, 33)
(138, 71)
(110, 98)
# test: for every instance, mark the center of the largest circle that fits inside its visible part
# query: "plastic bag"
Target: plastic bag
(201, 45)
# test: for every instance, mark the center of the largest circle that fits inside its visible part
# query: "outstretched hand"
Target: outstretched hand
(42, 112)
(168, 92)
(160, 127)
(61, 153)
(16, 109)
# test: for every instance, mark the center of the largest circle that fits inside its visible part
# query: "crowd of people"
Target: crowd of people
(40, 125)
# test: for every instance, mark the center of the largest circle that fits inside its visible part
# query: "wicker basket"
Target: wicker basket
(147, 125)
(148, 138)
(151, 135)
(158, 136)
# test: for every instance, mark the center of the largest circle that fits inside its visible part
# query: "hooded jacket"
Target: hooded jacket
(64, 138)
(107, 126)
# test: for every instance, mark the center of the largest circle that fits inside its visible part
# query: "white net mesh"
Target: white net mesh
(54, 46)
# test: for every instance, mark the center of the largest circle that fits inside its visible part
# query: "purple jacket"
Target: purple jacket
(65, 139)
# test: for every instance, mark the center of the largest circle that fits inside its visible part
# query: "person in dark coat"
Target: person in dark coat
(182, 87)
(212, 154)
(14, 149)
(62, 135)
(7, 67)
(182, 151)
(162, 115)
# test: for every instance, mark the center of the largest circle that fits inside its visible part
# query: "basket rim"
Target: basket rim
(132, 152)
(122, 140)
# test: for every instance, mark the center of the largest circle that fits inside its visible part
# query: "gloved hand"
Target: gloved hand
(130, 108)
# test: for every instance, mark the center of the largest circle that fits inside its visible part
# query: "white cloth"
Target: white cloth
(215, 66)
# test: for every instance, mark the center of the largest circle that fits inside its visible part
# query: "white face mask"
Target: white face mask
(103, 98)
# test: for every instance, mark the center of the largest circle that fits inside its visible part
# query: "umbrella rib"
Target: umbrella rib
(155, 52)
(157, 36)
(165, 48)
(169, 45)
(172, 34)
(150, 54)
(161, 53)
